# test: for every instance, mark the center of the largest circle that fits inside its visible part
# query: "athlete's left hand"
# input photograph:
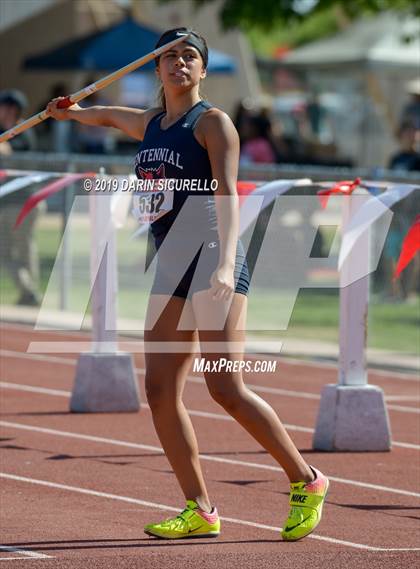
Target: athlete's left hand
(222, 283)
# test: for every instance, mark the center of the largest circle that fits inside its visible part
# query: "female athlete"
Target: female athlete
(200, 286)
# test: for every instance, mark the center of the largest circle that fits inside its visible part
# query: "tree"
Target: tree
(267, 14)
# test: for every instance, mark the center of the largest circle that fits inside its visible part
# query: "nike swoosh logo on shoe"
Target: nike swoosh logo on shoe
(195, 529)
(297, 525)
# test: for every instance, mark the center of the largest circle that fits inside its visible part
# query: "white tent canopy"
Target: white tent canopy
(387, 39)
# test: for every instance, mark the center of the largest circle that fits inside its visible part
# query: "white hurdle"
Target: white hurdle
(352, 414)
(105, 378)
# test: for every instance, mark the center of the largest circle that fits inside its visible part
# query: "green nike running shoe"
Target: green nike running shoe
(191, 522)
(306, 501)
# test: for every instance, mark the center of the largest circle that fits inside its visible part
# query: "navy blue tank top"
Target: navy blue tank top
(175, 153)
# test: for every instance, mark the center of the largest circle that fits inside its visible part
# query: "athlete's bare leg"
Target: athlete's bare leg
(165, 379)
(228, 389)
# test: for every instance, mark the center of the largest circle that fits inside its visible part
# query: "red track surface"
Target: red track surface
(64, 519)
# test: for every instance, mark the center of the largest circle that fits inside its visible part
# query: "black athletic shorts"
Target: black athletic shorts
(173, 254)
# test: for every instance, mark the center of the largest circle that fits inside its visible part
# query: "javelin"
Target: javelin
(86, 91)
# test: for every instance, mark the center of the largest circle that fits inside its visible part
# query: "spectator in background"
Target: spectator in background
(274, 132)
(17, 247)
(411, 111)
(316, 115)
(269, 128)
(407, 159)
(243, 111)
(258, 146)
(12, 105)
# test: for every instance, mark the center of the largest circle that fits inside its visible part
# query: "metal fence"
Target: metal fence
(394, 321)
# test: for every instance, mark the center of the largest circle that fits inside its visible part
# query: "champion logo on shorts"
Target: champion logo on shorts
(212, 245)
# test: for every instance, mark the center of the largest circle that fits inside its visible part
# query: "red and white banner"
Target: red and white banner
(410, 246)
(345, 188)
(48, 191)
(20, 183)
(372, 210)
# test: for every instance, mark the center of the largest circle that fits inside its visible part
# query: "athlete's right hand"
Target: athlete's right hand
(60, 114)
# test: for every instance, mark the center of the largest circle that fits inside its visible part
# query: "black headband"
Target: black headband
(192, 40)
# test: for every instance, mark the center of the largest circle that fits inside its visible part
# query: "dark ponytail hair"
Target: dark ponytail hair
(161, 100)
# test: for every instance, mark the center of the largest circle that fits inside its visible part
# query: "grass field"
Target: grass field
(392, 326)
(315, 316)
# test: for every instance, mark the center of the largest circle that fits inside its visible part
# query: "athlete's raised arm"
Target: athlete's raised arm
(132, 122)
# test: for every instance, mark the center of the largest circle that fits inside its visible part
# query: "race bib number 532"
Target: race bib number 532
(150, 205)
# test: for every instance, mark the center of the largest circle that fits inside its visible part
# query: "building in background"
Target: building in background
(29, 27)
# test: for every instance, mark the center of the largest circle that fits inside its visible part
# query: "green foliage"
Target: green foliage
(268, 14)
(315, 26)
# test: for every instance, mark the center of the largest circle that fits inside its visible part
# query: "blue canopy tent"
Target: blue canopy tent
(114, 47)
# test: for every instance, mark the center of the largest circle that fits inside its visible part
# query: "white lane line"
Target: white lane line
(137, 347)
(37, 357)
(25, 552)
(30, 329)
(256, 388)
(306, 395)
(141, 371)
(403, 409)
(172, 509)
(212, 458)
(205, 414)
(32, 389)
(406, 445)
(384, 374)
(402, 398)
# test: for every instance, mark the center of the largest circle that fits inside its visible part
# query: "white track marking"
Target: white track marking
(402, 397)
(31, 329)
(136, 347)
(32, 389)
(406, 445)
(260, 388)
(256, 388)
(403, 409)
(37, 357)
(159, 450)
(384, 374)
(146, 504)
(205, 414)
(306, 395)
(25, 552)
